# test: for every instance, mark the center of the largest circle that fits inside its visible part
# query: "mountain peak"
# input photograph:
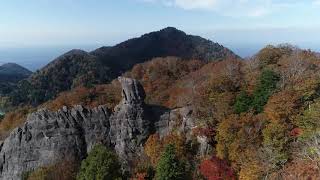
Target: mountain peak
(8, 65)
(12, 72)
(14, 69)
(107, 63)
(170, 29)
(76, 52)
(168, 32)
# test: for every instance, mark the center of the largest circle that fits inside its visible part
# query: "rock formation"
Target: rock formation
(48, 137)
(131, 121)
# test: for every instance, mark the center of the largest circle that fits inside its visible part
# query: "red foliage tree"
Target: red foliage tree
(216, 169)
(296, 132)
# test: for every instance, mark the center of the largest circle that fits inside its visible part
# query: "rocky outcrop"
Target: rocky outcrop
(131, 122)
(179, 119)
(48, 137)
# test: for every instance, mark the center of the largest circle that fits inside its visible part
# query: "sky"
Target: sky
(39, 30)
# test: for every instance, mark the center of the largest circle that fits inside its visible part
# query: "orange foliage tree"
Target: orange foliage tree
(299, 169)
(161, 76)
(155, 145)
(283, 106)
(153, 148)
(108, 94)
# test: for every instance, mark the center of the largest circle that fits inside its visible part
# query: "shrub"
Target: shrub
(169, 166)
(13, 119)
(144, 172)
(101, 164)
(64, 170)
(39, 174)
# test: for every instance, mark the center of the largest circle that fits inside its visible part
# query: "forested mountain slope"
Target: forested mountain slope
(228, 119)
(13, 72)
(10, 75)
(80, 68)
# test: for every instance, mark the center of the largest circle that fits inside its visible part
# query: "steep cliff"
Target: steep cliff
(131, 121)
(48, 137)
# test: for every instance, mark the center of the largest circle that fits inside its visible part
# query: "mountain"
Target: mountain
(80, 68)
(223, 117)
(13, 72)
(166, 42)
(10, 75)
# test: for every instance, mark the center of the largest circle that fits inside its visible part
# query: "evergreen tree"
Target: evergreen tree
(169, 166)
(265, 88)
(101, 164)
(243, 103)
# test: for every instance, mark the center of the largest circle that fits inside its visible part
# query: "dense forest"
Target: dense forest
(260, 116)
(79, 68)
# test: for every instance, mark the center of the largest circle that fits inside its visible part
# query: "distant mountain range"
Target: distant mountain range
(80, 68)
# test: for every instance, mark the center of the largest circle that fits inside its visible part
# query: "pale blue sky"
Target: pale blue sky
(83, 23)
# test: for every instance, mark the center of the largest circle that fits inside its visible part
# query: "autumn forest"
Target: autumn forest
(254, 118)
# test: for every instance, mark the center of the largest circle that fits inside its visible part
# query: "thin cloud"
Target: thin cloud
(233, 8)
(316, 2)
(192, 4)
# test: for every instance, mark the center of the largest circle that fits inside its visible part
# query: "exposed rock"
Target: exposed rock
(132, 91)
(131, 122)
(179, 119)
(204, 146)
(48, 137)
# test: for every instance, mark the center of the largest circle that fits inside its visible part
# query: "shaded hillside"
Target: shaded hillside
(163, 43)
(79, 68)
(12, 72)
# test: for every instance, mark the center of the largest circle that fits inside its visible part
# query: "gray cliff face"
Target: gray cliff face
(179, 119)
(131, 121)
(48, 137)
(132, 91)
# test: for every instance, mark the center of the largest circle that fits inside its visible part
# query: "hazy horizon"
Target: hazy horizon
(34, 58)
(36, 32)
